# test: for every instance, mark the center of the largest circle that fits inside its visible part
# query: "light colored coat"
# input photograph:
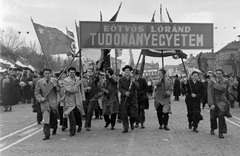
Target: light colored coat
(51, 103)
(74, 95)
(218, 94)
(159, 94)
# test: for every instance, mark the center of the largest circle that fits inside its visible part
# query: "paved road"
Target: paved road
(21, 136)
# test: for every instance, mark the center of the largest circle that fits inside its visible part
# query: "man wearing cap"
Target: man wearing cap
(142, 98)
(129, 106)
(162, 98)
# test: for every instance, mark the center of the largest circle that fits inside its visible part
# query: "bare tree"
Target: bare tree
(11, 39)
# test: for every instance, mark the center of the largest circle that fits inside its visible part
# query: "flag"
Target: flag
(131, 61)
(165, 53)
(104, 61)
(161, 18)
(169, 18)
(72, 42)
(142, 66)
(153, 20)
(202, 63)
(100, 16)
(52, 40)
(118, 52)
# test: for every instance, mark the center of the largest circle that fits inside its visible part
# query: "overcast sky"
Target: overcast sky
(224, 14)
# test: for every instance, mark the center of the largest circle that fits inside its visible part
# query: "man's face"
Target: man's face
(195, 77)
(219, 74)
(72, 73)
(89, 72)
(137, 76)
(127, 72)
(63, 76)
(47, 74)
(160, 74)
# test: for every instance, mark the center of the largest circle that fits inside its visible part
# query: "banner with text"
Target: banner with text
(135, 35)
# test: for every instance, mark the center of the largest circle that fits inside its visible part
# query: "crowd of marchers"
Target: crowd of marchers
(70, 98)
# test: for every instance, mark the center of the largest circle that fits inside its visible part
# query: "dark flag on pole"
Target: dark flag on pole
(52, 40)
(72, 42)
(169, 18)
(104, 61)
(202, 63)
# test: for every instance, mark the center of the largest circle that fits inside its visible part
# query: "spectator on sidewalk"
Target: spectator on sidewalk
(176, 89)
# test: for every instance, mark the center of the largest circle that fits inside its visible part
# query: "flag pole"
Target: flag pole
(184, 67)
(41, 46)
(63, 71)
(213, 66)
(116, 60)
(164, 89)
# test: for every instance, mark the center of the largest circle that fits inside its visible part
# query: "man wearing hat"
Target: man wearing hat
(142, 97)
(129, 106)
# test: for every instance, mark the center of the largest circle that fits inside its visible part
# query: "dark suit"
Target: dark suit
(205, 95)
(142, 97)
(177, 90)
(193, 104)
(130, 108)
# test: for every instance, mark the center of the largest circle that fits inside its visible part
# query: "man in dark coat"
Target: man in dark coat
(176, 88)
(129, 106)
(238, 90)
(205, 96)
(36, 105)
(195, 91)
(110, 102)
(142, 98)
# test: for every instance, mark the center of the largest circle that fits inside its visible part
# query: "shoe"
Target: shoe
(112, 128)
(107, 124)
(190, 125)
(64, 128)
(10, 109)
(100, 118)
(142, 126)
(137, 125)
(160, 127)
(221, 135)
(166, 128)
(46, 138)
(70, 135)
(119, 121)
(88, 129)
(79, 129)
(212, 132)
(5, 110)
(195, 130)
(132, 127)
(39, 123)
(125, 131)
(54, 131)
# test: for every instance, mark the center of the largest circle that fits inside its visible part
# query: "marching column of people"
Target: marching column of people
(73, 98)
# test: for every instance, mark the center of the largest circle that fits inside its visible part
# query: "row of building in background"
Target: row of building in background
(227, 58)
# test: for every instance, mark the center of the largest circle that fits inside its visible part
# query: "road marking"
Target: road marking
(228, 120)
(17, 131)
(20, 140)
(28, 131)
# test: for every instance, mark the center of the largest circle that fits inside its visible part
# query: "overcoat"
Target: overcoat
(41, 90)
(110, 102)
(176, 88)
(130, 108)
(74, 95)
(160, 97)
(142, 92)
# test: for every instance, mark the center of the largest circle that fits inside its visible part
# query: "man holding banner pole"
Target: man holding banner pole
(129, 106)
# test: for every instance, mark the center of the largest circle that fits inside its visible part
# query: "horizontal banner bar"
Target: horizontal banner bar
(136, 35)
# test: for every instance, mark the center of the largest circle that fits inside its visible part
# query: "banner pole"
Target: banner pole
(116, 60)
